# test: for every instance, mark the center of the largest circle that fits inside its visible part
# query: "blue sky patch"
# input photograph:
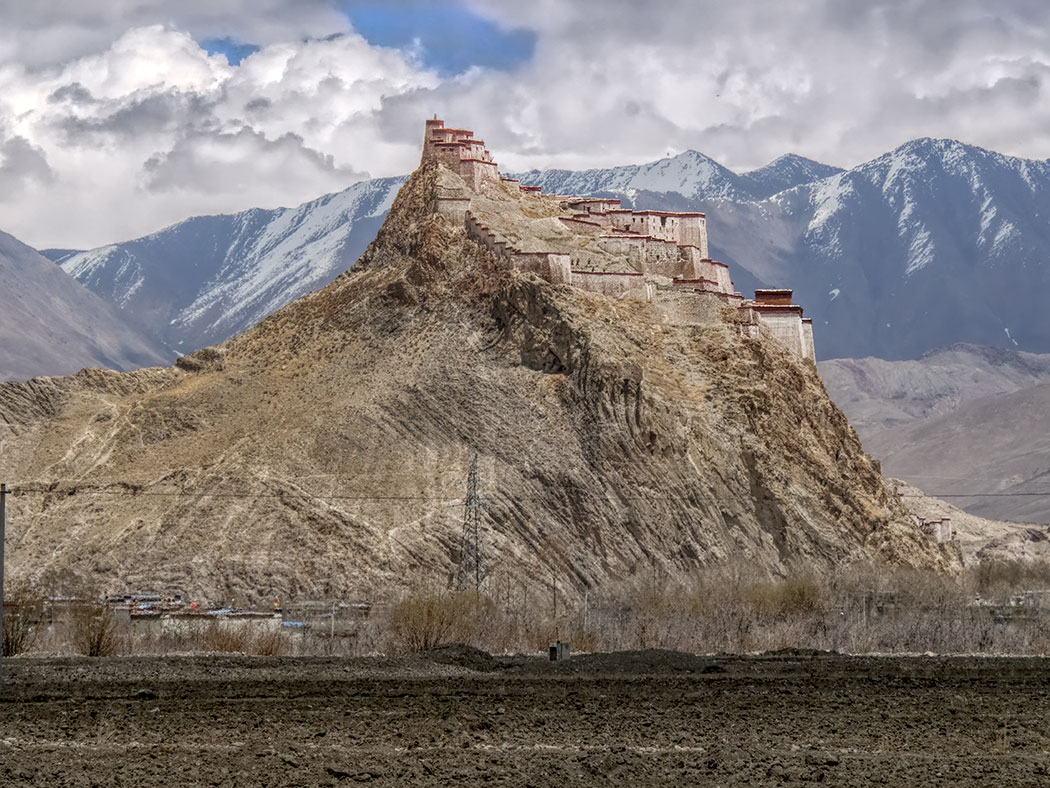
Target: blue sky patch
(452, 38)
(234, 50)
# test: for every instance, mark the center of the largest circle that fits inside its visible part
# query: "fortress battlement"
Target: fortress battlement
(649, 250)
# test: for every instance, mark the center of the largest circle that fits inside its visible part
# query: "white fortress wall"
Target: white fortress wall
(721, 275)
(785, 325)
(807, 339)
(615, 285)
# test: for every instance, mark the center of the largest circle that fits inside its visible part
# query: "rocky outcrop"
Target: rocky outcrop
(324, 452)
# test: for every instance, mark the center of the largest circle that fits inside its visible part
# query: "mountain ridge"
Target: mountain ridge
(243, 265)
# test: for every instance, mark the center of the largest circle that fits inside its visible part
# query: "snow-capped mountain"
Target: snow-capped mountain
(688, 174)
(199, 282)
(51, 325)
(933, 243)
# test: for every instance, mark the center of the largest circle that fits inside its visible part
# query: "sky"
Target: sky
(120, 117)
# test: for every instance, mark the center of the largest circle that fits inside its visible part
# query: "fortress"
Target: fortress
(595, 244)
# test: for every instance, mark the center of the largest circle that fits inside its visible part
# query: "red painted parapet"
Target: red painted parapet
(777, 297)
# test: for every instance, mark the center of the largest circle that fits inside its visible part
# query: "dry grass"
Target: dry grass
(222, 637)
(992, 608)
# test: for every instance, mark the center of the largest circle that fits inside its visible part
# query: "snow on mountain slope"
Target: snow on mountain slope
(689, 174)
(203, 280)
(51, 325)
(786, 172)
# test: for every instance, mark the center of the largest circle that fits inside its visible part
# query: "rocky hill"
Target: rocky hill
(980, 539)
(51, 325)
(324, 451)
(205, 279)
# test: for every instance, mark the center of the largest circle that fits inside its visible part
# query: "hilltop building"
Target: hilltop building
(602, 247)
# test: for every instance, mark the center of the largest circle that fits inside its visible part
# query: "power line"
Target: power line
(448, 499)
(976, 495)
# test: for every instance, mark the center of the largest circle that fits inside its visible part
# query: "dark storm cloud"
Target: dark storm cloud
(74, 94)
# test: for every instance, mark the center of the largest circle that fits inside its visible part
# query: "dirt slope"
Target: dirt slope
(325, 450)
(876, 394)
(994, 450)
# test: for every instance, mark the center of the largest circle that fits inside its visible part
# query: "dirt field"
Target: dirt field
(460, 717)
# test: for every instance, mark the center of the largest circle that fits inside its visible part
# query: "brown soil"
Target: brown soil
(462, 717)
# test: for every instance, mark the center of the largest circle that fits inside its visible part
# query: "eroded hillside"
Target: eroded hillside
(325, 450)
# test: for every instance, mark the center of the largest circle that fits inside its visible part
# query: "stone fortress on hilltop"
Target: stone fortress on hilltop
(597, 245)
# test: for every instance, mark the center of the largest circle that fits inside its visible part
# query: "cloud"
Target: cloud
(21, 162)
(140, 125)
(153, 128)
(215, 162)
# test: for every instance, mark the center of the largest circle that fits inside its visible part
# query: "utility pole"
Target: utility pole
(3, 537)
(470, 570)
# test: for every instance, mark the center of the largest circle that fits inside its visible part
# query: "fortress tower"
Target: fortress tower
(460, 152)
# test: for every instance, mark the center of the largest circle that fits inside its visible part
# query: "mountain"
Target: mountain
(931, 244)
(785, 173)
(934, 243)
(691, 174)
(203, 280)
(876, 394)
(992, 454)
(324, 452)
(51, 325)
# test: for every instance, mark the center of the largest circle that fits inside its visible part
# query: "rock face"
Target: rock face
(51, 325)
(325, 450)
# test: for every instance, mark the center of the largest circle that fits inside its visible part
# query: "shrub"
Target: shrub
(24, 608)
(421, 622)
(94, 630)
(795, 596)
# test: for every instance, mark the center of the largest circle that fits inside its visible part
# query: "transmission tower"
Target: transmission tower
(470, 572)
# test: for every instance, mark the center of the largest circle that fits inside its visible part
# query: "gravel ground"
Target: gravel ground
(458, 716)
